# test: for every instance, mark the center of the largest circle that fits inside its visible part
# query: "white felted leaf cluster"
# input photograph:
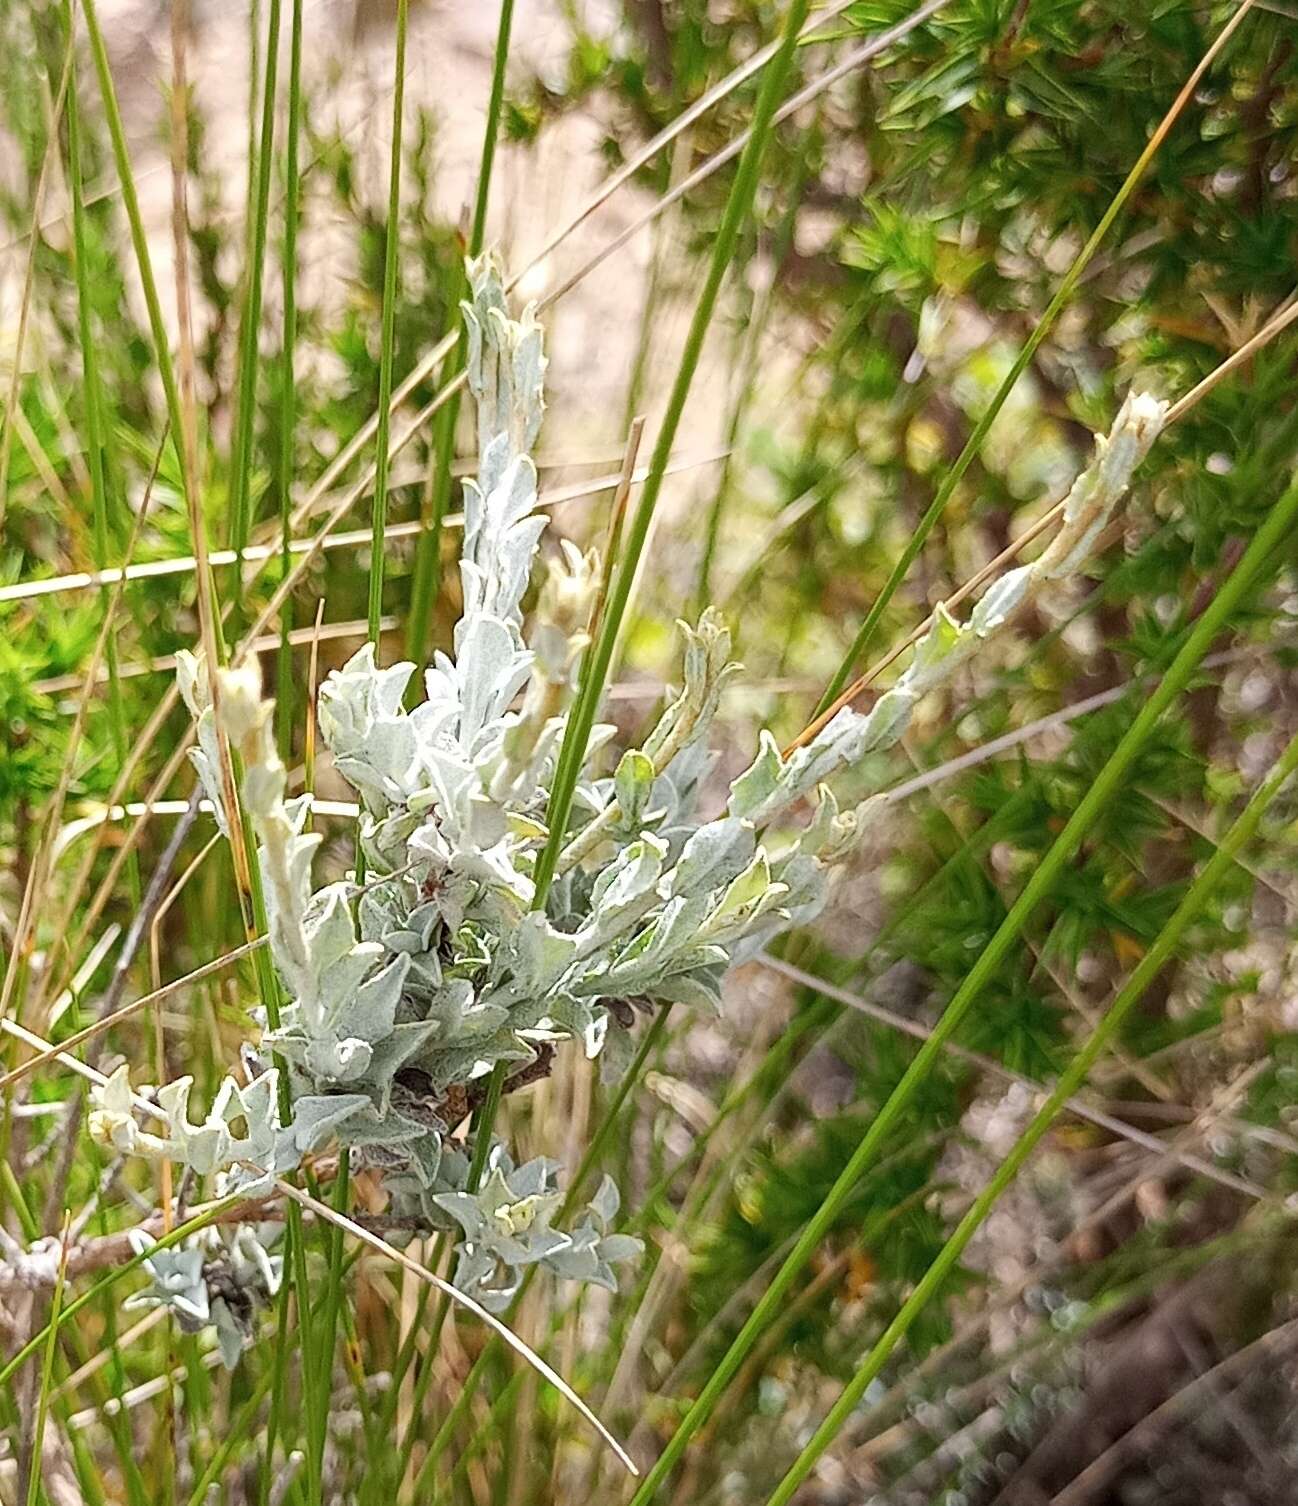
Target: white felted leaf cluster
(221, 1277)
(506, 1227)
(247, 1159)
(405, 993)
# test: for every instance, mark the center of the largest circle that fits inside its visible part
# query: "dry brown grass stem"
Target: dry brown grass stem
(1279, 321)
(126, 1011)
(1077, 1106)
(29, 279)
(85, 580)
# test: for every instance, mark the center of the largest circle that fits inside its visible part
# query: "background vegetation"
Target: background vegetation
(1007, 186)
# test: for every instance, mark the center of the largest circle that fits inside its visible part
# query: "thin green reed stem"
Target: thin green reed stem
(1191, 906)
(250, 321)
(437, 494)
(1108, 781)
(380, 513)
(1064, 292)
(502, 1407)
(135, 222)
(333, 1301)
(485, 1118)
(492, 1347)
(242, 1426)
(93, 389)
(275, 1429)
(427, 581)
(285, 698)
(595, 666)
(491, 131)
(254, 84)
(377, 1485)
(34, 1470)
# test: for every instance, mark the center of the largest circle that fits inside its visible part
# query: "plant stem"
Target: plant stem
(250, 319)
(285, 697)
(379, 515)
(94, 398)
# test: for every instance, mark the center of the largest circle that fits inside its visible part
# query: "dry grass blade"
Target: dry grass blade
(1279, 322)
(143, 810)
(80, 1037)
(166, 663)
(813, 90)
(1076, 1106)
(29, 277)
(679, 124)
(73, 1063)
(407, 1263)
(185, 564)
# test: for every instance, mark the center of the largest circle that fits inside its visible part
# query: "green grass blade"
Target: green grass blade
(1159, 953)
(245, 393)
(135, 223)
(94, 401)
(380, 506)
(47, 1376)
(491, 131)
(1261, 551)
(285, 696)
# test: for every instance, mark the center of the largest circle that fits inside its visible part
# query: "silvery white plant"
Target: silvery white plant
(220, 1277)
(406, 992)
